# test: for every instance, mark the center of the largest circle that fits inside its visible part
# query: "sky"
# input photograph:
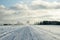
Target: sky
(12, 11)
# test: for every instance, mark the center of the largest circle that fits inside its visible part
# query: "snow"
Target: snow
(30, 32)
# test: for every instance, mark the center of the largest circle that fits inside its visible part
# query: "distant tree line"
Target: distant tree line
(48, 23)
(10, 24)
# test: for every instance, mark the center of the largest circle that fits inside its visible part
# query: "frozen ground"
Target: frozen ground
(30, 32)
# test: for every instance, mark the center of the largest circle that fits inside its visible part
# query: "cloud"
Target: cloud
(2, 6)
(5, 13)
(19, 6)
(45, 4)
(23, 12)
(18, 12)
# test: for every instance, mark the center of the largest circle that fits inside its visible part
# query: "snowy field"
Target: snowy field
(30, 32)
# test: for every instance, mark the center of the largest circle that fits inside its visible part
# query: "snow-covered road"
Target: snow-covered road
(30, 32)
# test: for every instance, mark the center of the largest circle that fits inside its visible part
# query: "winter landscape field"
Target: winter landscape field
(29, 19)
(30, 32)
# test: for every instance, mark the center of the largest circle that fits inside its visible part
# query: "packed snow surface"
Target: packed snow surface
(30, 32)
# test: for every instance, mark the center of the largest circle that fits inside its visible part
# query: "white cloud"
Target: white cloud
(46, 4)
(2, 6)
(24, 12)
(5, 13)
(19, 6)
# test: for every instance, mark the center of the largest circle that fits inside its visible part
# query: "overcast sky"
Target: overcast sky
(20, 10)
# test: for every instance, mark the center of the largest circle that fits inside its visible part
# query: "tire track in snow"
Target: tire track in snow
(20, 34)
(10, 34)
(41, 30)
(29, 33)
(25, 34)
(35, 34)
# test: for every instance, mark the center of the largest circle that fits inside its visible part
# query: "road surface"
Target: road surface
(29, 32)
